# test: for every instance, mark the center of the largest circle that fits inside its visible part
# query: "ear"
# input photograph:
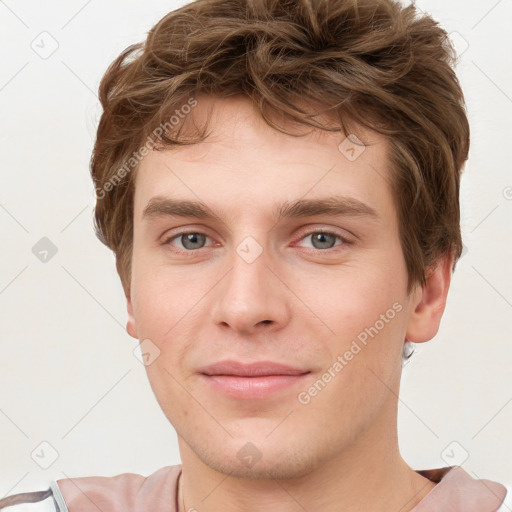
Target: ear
(429, 300)
(130, 324)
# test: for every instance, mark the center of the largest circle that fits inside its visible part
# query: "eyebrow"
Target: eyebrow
(159, 206)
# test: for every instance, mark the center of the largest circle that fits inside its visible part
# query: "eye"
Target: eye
(323, 239)
(189, 241)
(192, 240)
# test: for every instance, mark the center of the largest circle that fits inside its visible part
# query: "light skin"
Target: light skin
(301, 302)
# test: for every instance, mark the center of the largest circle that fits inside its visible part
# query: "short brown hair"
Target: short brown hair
(374, 63)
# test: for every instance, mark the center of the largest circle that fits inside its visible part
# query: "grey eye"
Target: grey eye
(191, 240)
(323, 240)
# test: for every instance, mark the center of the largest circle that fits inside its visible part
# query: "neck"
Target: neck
(369, 476)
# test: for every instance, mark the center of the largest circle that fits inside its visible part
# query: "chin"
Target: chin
(259, 460)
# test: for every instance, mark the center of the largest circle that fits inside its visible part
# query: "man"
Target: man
(279, 181)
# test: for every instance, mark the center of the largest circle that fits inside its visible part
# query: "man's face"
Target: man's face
(248, 285)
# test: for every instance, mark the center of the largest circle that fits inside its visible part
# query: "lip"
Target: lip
(251, 381)
(252, 388)
(256, 369)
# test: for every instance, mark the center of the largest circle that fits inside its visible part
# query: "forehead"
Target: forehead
(245, 164)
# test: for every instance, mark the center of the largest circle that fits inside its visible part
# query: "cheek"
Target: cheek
(169, 309)
(365, 308)
(353, 297)
(368, 317)
(162, 314)
(162, 297)
(151, 308)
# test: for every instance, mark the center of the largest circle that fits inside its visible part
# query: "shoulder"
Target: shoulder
(125, 492)
(120, 493)
(458, 490)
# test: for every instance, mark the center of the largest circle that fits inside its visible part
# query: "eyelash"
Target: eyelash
(344, 240)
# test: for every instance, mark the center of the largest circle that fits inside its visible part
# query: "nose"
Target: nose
(251, 298)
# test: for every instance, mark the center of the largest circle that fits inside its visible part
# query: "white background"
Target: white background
(68, 374)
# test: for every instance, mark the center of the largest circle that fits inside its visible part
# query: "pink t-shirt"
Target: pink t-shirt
(456, 491)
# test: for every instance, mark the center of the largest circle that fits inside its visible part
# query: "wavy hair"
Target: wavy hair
(373, 63)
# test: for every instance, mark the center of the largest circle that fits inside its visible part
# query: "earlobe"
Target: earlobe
(130, 323)
(429, 301)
